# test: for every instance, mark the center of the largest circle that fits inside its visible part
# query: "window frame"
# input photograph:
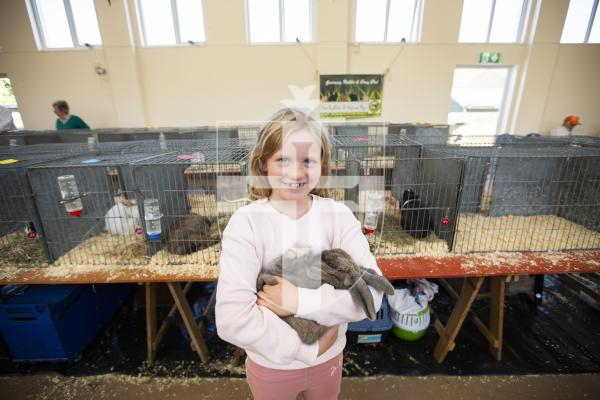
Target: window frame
(417, 18)
(34, 17)
(588, 31)
(520, 32)
(507, 95)
(175, 22)
(311, 25)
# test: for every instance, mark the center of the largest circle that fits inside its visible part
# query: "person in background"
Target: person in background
(66, 120)
(566, 129)
(6, 120)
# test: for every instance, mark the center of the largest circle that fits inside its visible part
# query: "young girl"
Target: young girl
(288, 167)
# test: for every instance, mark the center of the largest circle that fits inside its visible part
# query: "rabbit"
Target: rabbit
(310, 270)
(122, 218)
(414, 218)
(189, 234)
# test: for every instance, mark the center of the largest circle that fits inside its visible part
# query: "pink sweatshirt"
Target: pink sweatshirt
(256, 234)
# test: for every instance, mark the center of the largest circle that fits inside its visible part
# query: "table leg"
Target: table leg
(188, 319)
(497, 286)
(468, 293)
(150, 290)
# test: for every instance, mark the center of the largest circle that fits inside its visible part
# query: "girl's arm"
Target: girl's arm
(329, 306)
(239, 319)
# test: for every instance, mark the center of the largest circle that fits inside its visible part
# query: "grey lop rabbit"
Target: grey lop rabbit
(310, 270)
(189, 234)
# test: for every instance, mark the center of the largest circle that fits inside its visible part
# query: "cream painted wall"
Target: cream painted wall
(228, 79)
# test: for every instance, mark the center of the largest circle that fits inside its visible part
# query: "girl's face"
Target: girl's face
(294, 170)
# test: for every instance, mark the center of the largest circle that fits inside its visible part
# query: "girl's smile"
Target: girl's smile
(294, 171)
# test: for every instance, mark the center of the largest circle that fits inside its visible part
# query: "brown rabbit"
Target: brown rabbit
(189, 234)
(310, 270)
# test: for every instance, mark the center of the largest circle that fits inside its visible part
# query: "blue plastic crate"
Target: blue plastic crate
(57, 322)
(367, 331)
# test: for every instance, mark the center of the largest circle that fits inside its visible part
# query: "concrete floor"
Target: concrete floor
(57, 387)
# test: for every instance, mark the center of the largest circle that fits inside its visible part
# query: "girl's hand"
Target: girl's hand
(281, 298)
(328, 339)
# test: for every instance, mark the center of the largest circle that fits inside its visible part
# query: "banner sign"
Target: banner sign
(351, 96)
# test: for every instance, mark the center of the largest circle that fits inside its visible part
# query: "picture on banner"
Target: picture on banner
(351, 96)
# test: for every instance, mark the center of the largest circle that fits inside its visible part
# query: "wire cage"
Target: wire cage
(585, 141)
(22, 237)
(196, 190)
(88, 208)
(418, 195)
(526, 198)
(54, 136)
(423, 133)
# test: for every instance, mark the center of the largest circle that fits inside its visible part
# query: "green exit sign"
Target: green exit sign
(489, 58)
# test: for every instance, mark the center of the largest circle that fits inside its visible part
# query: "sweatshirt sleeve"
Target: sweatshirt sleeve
(239, 319)
(329, 306)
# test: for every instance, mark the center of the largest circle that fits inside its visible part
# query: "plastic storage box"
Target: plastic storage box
(367, 331)
(57, 322)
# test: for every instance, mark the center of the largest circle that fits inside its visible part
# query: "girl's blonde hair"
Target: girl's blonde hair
(270, 138)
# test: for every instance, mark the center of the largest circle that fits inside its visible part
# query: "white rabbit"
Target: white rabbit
(122, 218)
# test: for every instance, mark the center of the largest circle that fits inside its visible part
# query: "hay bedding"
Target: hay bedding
(107, 249)
(478, 233)
(396, 241)
(17, 250)
(522, 233)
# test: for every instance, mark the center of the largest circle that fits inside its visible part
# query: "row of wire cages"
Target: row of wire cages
(123, 204)
(431, 195)
(244, 132)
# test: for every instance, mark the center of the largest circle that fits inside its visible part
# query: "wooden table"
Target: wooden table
(474, 269)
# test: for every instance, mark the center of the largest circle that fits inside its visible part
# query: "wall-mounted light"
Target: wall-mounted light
(99, 70)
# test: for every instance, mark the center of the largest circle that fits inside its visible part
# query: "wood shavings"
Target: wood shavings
(17, 250)
(396, 241)
(477, 233)
(107, 249)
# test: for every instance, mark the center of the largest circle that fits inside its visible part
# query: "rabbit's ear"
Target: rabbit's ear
(362, 295)
(377, 281)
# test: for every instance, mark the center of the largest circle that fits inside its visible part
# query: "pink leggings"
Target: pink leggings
(321, 381)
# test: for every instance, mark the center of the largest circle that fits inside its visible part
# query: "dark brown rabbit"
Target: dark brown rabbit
(189, 234)
(310, 270)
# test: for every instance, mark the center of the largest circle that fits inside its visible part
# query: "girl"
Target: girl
(288, 167)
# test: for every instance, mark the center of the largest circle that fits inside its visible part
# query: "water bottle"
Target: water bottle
(91, 143)
(152, 217)
(163, 141)
(374, 201)
(70, 195)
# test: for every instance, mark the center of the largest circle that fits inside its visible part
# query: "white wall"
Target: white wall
(228, 79)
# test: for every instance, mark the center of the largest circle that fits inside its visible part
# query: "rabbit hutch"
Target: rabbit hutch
(88, 207)
(416, 196)
(516, 197)
(22, 238)
(191, 192)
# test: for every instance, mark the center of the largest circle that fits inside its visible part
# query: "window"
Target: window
(60, 24)
(272, 21)
(581, 24)
(387, 20)
(168, 22)
(477, 100)
(494, 21)
(8, 100)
